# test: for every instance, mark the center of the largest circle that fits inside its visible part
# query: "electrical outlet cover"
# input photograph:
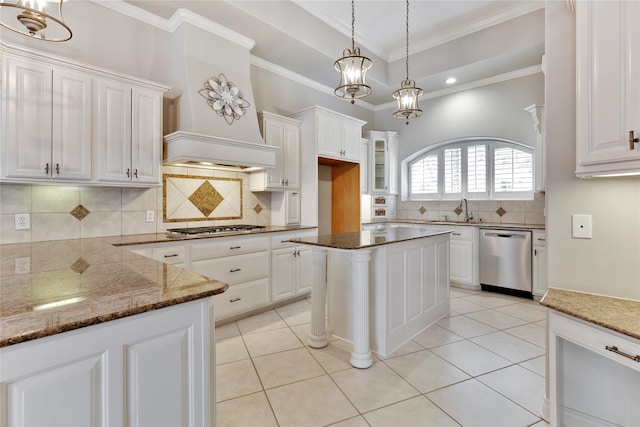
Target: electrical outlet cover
(581, 226)
(22, 222)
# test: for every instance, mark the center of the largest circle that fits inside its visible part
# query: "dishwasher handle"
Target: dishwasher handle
(514, 236)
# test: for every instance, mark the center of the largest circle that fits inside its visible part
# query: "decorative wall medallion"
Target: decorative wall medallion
(188, 198)
(80, 212)
(458, 210)
(224, 98)
(257, 208)
(422, 210)
(501, 211)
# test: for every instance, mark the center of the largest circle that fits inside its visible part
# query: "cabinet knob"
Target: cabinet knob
(535, 252)
(632, 140)
(286, 182)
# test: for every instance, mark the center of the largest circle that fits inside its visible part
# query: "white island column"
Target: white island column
(318, 336)
(361, 354)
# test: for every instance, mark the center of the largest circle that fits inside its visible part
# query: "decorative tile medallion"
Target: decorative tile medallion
(422, 210)
(458, 210)
(80, 212)
(257, 208)
(80, 266)
(501, 211)
(188, 198)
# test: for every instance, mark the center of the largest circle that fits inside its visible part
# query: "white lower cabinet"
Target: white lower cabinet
(539, 263)
(290, 267)
(463, 256)
(150, 369)
(590, 382)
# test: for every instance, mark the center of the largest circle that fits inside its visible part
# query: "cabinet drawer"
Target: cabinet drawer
(462, 233)
(539, 238)
(169, 254)
(240, 298)
(234, 269)
(279, 240)
(227, 246)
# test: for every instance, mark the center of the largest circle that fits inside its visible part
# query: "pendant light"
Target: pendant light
(33, 17)
(352, 68)
(407, 95)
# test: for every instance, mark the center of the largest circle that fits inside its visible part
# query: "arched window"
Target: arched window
(474, 168)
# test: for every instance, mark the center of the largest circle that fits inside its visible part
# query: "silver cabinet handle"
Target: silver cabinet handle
(235, 270)
(456, 234)
(235, 299)
(135, 173)
(235, 247)
(632, 140)
(614, 349)
(171, 255)
(58, 168)
(515, 236)
(541, 239)
(46, 168)
(128, 173)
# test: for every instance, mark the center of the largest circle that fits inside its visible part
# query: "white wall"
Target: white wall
(608, 264)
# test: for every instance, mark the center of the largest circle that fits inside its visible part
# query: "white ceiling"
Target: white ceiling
(473, 40)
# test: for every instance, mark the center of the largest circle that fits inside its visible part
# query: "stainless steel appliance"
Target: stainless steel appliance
(216, 229)
(505, 260)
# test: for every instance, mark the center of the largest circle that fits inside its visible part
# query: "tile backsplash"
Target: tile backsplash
(60, 212)
(530, 212)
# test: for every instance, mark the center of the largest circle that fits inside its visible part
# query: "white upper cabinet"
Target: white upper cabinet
(127, 133)
(47, 124)
(65, 121)
(281, 132)
(338, 136)
(608, 95)
(383, 159)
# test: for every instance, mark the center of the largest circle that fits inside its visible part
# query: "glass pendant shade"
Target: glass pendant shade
(407, 98)
(353, 70)
(35, 18)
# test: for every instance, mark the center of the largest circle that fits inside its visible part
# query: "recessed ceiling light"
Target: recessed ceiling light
(450, 80)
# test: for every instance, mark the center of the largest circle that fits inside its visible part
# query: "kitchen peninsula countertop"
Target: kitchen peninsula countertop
(617, 314)
(76, 283)
(367, 238)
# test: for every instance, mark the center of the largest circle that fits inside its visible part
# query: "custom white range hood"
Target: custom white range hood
(211, 67)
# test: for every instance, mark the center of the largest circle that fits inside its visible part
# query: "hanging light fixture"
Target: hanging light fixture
(407, 95)
(33, 17)
(352, 68)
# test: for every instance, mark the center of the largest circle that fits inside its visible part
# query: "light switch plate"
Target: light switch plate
(581, 226)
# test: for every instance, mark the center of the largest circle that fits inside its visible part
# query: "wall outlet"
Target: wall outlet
(151, 216)
(581, 226)
(22, 222)
(23, 265)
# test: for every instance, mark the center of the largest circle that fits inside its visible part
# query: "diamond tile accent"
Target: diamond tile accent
(257, 208)
(458, 210)
(422, 210)
(501, 211)
(80, 212)
(206, 198)
(80, 266)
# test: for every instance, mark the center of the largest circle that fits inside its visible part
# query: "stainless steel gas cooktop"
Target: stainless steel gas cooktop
(217, 229)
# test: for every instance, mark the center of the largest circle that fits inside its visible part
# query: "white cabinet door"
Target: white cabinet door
(291, 156)
(351, 135)
(461, 262)
(329, 130)
(304, 266)
(112, 132)
(72, 125)
(392, 161)
(539, 264)
(283, 273)
(608, 107)
(27, 88)
(146, 136)
(273, 132)
(292, 202)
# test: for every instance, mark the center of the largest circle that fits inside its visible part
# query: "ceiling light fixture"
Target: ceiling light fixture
(407, 95)
(450, 80)
(33, 17)
(352, 68)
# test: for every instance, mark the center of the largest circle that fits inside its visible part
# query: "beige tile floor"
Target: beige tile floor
(481, 366)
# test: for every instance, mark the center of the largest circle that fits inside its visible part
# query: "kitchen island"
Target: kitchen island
(384, 287)
(93, 334)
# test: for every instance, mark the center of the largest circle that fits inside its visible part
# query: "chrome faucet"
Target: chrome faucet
(468, 216)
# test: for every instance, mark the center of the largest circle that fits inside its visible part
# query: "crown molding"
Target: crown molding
(178, 18)
(522, 72)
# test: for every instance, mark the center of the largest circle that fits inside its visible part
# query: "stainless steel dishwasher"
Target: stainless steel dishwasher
(505, 260)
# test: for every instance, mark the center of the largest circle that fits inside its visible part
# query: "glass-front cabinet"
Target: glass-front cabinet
(383, 159)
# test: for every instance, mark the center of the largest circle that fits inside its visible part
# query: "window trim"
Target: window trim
(490, 194)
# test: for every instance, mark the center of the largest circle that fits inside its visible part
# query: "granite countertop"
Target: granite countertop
(76, 283)
(620, 315)
(467, 224)
(368, 238)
